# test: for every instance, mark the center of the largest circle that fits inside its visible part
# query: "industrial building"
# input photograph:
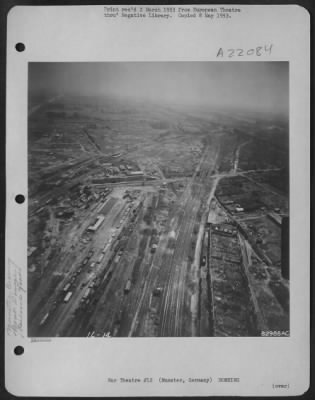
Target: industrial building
(275, 218)
(98, 223)
(136, 173)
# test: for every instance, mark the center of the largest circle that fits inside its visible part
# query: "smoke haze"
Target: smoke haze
(253, 86)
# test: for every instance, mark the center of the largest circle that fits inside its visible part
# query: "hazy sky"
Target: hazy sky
(261, 86)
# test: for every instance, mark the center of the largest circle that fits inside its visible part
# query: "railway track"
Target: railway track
(173, 301)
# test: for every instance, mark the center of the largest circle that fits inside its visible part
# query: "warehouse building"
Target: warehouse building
(98, 223)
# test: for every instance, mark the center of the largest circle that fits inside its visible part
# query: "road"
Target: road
(237, 155)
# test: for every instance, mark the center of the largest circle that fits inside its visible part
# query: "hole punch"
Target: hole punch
(20, 47)
(18, 350)
(19, 198)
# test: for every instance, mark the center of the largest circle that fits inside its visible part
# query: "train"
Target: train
(67, 297)
(67, 287)
(127, 286)
(44, 319)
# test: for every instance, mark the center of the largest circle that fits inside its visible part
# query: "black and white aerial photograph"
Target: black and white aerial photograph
(158, 199)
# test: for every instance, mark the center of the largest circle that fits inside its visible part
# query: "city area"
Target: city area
(153, 220)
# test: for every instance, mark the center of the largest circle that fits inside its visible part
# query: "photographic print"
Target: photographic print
(158, 199)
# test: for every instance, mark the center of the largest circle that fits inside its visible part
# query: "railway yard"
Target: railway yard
(152, 221)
